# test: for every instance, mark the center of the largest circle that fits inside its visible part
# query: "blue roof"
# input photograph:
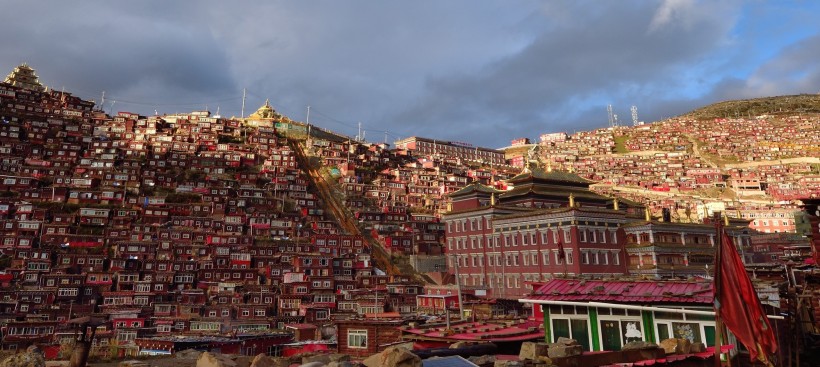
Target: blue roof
(451, 361)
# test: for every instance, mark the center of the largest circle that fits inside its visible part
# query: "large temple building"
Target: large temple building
(550, 224)
(24, 77)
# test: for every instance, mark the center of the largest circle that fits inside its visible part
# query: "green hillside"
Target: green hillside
(802, 103)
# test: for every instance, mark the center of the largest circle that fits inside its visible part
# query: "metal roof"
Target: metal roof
(451, 361)
(642, 292)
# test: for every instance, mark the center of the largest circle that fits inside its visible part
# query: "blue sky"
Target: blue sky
(484, 72)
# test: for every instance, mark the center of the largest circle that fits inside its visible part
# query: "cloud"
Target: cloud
(568, 71)
(483, 72)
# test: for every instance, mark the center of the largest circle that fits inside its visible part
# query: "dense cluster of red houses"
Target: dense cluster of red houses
(209, 229)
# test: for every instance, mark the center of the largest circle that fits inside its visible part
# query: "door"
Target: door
(610, 335)
(580, 332)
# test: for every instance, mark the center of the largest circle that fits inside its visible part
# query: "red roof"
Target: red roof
(624, 291)
(479, 331)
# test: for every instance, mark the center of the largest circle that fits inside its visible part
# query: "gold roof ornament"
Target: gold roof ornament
(571, 200)
(615, 204)
(265, 112)
(647, 214)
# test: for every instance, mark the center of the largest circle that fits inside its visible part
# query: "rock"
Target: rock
(27, 359)
(486, 360)
(313, 364)
(698, 348)
(531, 350)
(188, 354)
(393, 357)
(505, 363)
(261, 360)
(208, 359)
(323, 358)
(669, 345)
(566, 341)
(35, 349)
(338, 357)
(639, 344)
(544, 360)
(340, 364)
(684, 346)
(132, 363)
(562, 351)
(242, 361)
(459, 344)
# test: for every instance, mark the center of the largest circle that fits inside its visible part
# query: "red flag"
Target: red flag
(737, 304)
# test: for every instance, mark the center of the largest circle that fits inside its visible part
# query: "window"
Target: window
(357, 339)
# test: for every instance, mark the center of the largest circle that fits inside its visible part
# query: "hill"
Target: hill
(749, 108)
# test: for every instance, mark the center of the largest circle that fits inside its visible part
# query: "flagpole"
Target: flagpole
(717, 289)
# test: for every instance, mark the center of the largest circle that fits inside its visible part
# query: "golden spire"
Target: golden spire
(492, 199)
(647, 214)
(615, 204)
(571, 200)
(549, 165)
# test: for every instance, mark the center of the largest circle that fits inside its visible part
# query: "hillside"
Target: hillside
(750, 108)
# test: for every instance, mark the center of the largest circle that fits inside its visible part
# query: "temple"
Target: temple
(24, 77)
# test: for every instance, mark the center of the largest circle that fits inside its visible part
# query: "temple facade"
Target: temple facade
(24, 77)
(549, 224)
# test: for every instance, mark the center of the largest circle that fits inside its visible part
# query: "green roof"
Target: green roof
(552, 175)
(475, 186)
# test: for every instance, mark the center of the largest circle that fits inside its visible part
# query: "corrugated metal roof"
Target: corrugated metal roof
(624, 291)
(451, 361)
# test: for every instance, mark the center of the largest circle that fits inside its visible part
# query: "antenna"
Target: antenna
(635, 116)
(243, 102)
(610, 116)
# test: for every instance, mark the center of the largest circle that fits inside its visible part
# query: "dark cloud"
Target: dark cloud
(483, 72)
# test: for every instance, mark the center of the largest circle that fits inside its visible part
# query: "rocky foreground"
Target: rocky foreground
(531, 355)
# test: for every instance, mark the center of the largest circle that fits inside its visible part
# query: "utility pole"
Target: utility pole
(458, 289)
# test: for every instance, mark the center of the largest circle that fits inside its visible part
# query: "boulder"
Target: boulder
(557, 350)
(242, 361)
(208, 359)
(339, 357)
(188, 354)
(459, 344)
(27, 359)
(566, 341)
(639, 344)
(340, 364)
(485, 360)
(698, 348)
(262, 360)
(670, 346)
(684, 346)
(393, 357)
(313, 364)
(531, 350)
(323, 358)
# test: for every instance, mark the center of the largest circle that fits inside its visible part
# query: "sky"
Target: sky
(481, 72)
